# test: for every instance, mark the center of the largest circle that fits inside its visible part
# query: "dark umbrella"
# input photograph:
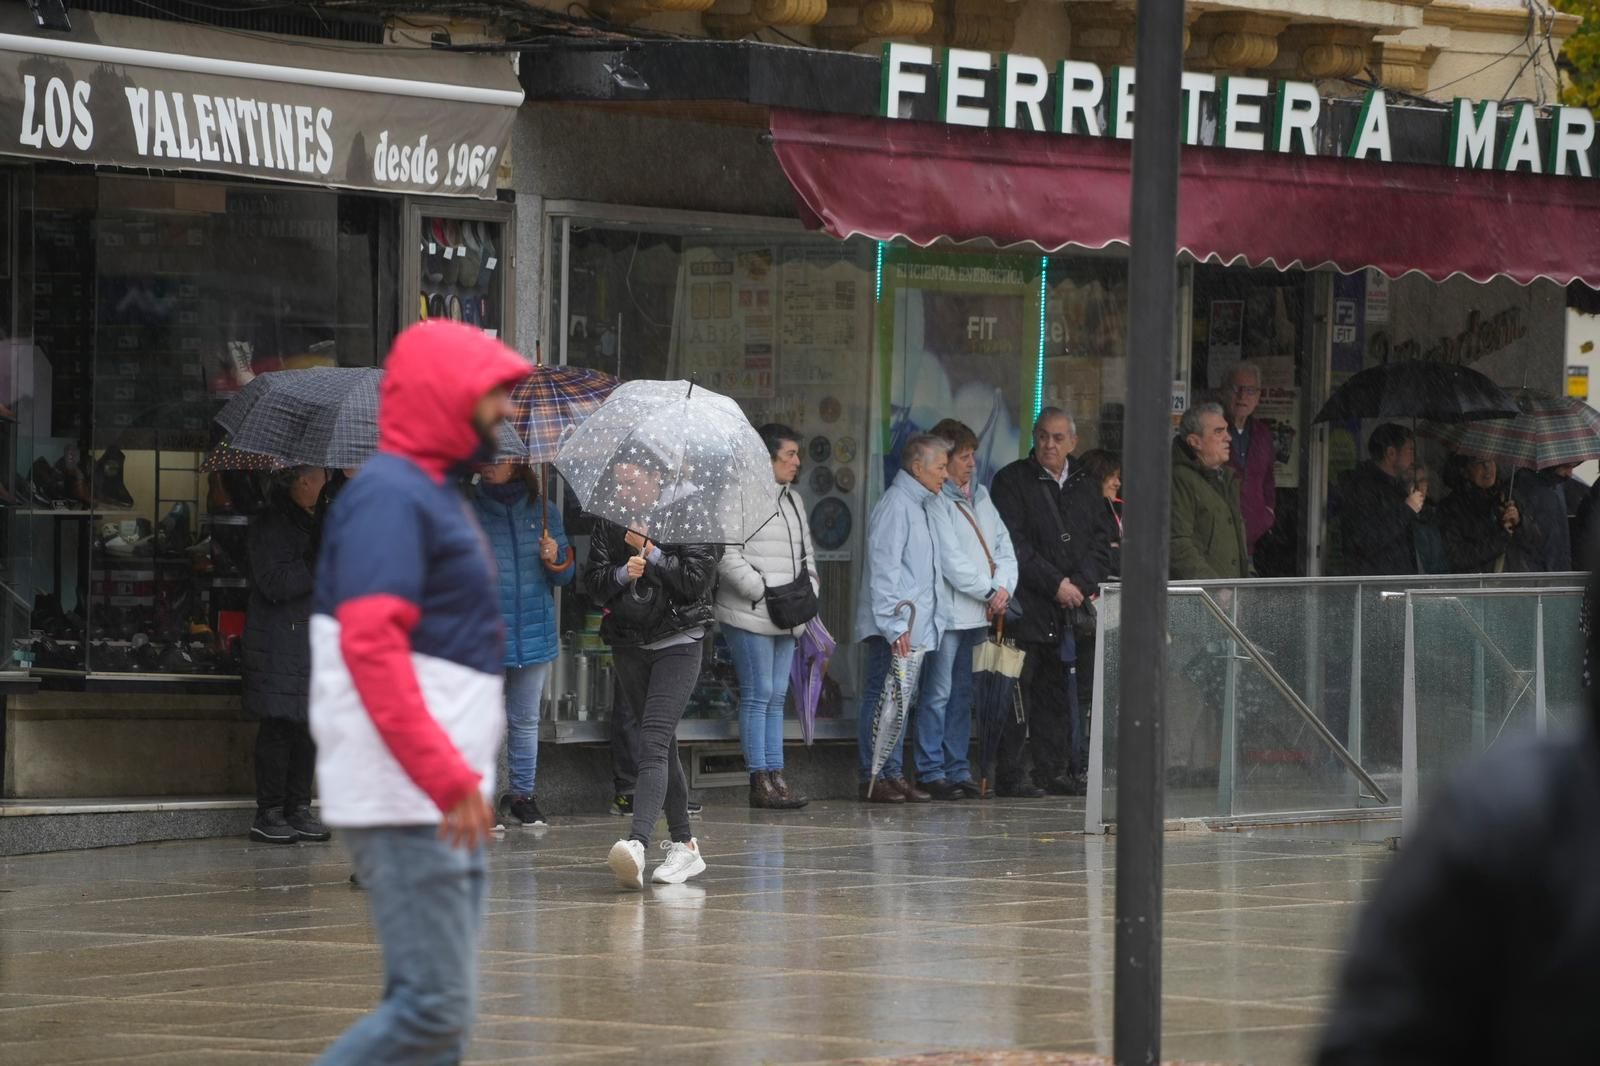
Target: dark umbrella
(1413, 388)
(812, 651)
(996, 668)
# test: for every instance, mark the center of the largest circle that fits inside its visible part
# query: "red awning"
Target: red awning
(923, 182)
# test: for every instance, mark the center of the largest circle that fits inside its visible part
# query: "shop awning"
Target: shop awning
(922, 182)
(168, 96)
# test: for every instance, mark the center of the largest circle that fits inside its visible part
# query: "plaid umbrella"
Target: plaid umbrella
(1548, 431)
(895, 700)
(552, 402)
(813, 649)
(322, 416)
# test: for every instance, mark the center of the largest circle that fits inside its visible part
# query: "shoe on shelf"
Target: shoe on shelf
(881, 791)
(270, 827)
(627, 862)
(683, 861)
(911, 792)
(525, 809)
(622, 805)
(308, 825)
(1025, 790)
(942, 790)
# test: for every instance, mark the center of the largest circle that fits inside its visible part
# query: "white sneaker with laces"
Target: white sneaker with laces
(683, 861)
(627, 862)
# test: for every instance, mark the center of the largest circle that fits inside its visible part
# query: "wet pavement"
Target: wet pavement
(839, 932)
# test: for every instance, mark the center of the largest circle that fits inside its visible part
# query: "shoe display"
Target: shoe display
(48, 488)
(881, 791)
(627, 862)
(173, 535)
(622, 805)
(911, 792)
(683, 861)
(526, 810)
(270, 827)
(942, 790)
(73, 482)
(109, 487)
(307, 824)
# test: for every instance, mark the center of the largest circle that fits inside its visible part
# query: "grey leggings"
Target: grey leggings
(655, 687)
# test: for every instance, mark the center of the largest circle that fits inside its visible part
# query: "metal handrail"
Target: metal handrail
(1398, 580)
(1258, 657)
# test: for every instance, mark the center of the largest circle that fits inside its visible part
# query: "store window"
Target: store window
(778, 320)
(463, 269)
(152, 302)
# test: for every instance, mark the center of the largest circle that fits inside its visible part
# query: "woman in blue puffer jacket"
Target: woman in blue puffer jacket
(530, 560)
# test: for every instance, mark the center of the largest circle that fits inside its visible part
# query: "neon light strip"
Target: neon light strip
(1038, 374)
(877, 285)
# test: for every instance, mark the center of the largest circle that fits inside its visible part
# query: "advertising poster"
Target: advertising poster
(965, 346)
(1280, 409)
(725, 332)
(822, 327)
(1224, 339)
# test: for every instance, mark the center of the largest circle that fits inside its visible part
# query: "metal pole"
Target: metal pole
(1147, 465)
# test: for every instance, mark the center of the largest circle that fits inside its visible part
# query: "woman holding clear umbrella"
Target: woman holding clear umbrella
(762, 650)
(657, 603)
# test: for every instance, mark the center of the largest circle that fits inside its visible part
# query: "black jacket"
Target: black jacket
(1474, 539)
(277, 641)
(1078, 546)
(1376, 523)
(1545, 545)
(673, 596)
(1482, 944)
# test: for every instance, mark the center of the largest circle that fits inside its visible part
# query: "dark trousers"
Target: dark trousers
(1053, 731)
(624, 740)
(656, 686)
(286, 761)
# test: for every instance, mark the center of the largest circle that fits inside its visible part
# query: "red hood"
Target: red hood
(436, 373)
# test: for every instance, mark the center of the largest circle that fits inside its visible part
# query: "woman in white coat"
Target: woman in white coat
(980, 576)
(762, 652)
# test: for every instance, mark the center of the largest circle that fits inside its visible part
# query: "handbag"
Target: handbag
(1013, 604)
(793, 603)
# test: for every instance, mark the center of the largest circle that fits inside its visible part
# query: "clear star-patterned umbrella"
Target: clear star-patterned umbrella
(674, 462)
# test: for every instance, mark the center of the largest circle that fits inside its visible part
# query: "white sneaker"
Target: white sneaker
(683, 861)
(627, 862)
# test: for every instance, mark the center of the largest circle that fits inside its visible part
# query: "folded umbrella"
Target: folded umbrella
(996, 670)
(895, 699)
(1547, 431)
(1417, 388)
(813, 649)
(676, 463)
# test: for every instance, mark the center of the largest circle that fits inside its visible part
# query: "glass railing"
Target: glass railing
(1285, 696)
(1481, 666)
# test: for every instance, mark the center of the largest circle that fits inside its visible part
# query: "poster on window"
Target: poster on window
(724, 334)
(966, 345)
(823, 304)
(1280, 409)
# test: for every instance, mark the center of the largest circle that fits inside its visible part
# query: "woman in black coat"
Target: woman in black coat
(277, 656)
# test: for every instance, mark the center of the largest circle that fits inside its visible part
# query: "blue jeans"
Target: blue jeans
(427, 904)
(879, 658)
(763, 665)
(524, 693)
(944, 708)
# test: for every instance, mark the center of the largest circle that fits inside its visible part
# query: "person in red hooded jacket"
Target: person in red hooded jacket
(406, 684)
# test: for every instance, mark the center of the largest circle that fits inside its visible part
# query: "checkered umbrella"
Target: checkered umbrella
(552, 402)
(1547, 431)
(322, 416)
(896, 698)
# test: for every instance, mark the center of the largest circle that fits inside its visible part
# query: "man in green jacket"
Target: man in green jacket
(1208, 540)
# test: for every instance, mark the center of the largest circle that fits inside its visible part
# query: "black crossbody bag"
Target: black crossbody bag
(794, 603)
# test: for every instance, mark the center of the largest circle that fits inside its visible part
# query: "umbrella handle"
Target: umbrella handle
(907, 605)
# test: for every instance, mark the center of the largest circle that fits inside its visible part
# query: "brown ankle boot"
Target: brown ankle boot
(762, 795)
(789, 800)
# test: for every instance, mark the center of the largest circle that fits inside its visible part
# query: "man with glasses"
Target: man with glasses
(1251, 453)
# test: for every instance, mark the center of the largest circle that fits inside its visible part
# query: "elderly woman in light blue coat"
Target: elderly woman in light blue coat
(980, 575)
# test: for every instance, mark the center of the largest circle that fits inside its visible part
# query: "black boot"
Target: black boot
(787, 800)
(762, 795)
(270, 827)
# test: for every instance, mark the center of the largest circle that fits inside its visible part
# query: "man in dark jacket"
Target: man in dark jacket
(1377, 510)
(1483, 942)
(1063, 553)
(1208, 530)
(277, 657)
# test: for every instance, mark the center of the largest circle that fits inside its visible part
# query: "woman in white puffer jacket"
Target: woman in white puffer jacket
(763, 653)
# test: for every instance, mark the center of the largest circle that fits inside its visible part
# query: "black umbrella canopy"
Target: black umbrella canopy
(1438, 392)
